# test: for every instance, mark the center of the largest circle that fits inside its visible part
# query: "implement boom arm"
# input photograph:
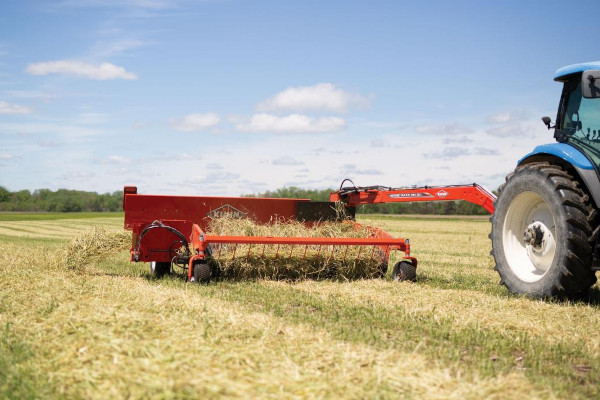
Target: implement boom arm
(474, 193)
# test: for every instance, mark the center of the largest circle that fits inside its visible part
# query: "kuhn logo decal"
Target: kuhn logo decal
(441, 194)
(226, 211)
(410, 195)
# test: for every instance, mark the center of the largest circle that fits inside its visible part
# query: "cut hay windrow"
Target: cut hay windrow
(92, 245)
(294, 262)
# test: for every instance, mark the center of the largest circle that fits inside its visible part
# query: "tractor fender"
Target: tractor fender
(566, 154)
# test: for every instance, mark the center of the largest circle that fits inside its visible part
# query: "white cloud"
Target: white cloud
(6, 156)
(106, 49)
(140, 125)
(61, 130)
(443, 129)
(119, 159)
(287, 160)
(507, 116)
(499, 118)
(104, 71)
(91, 118)
(239, 171)
(458, 140)
(379, 143)
(7, 108)
(143, 4)
(49, 143)
(509, 129)
(78, 176)
(212, 178)
(214, 166)
(30, 94)
(351, 169)
(320, 97)
(188, 156)
(484, 151)
(196, 122)
(294, 123)
(453, 152)
(448, 153)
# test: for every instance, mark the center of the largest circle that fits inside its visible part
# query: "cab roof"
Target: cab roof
(575, 68)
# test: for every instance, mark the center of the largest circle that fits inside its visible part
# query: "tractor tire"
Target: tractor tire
(202, 273)
(541, 233)
(404, 271)
(159, 269)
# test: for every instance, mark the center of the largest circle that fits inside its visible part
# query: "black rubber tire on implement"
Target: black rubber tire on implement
(160, 269)
(202, 273)
(404, 271)
(383, 267)
(568, 272)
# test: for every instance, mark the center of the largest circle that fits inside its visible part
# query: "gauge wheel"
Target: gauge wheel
(541, 233)
(383, 266)
(159, 269)
(202, 273)
(404, 271)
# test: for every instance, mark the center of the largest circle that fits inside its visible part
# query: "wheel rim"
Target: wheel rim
(529, 237)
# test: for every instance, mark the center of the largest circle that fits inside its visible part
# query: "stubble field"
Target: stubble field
(109, 330)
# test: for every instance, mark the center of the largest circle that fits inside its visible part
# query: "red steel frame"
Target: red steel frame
(181, 212)
(200, 243)
(190, 215)
(474, 193)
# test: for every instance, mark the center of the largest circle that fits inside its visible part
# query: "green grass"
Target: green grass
(16, 381)
(110, 330)
(42, 216)
(469, 348)
(27, 242)
(55, 229)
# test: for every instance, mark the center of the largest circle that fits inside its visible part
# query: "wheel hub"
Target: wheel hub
(533, 235)
(540, 245)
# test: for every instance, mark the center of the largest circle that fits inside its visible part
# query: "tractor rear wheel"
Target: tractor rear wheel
(159, 269)
(541, 230)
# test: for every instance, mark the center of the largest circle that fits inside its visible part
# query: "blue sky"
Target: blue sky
(231, 97)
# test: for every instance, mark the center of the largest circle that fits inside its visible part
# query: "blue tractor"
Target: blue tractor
(545, 226)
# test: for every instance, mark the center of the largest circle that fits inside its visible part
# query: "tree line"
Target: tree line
(434, 207)
(61, 200)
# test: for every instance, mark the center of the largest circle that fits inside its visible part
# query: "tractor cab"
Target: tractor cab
(578, 117)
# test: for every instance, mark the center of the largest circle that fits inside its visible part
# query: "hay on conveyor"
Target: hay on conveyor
(287, 262)
(92, 245)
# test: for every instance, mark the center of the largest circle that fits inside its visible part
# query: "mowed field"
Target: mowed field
(109, 330)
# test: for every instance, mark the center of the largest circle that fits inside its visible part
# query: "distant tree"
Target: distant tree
(293, 192)
(4, 194)
(62, 200)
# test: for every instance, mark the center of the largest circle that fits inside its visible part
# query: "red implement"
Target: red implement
(162, 225)
(474, 193)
